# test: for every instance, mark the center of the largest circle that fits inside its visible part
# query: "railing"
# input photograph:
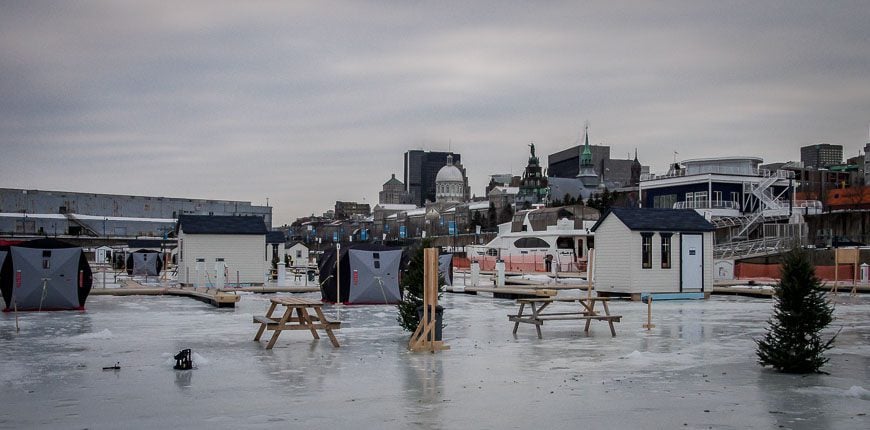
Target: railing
(810, 204)
(754, 248)
(716, 204)
(723, 170)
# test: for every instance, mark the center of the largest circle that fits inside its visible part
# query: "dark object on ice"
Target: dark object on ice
(369, 275)
(793, 343)
(117, 366)
(439, 317)
(183, 361)
(45, 274)
(144, 262)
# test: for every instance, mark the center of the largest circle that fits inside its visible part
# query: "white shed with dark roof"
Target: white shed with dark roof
(654, 251)
(208, 242)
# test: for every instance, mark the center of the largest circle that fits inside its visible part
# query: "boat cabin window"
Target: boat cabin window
(492, 252)
(531, 242)
(567, 242)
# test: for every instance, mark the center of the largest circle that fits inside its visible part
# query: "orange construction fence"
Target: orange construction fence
(826, 273)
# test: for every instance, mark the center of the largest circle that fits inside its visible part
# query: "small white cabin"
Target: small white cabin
(208, 242)
(298, 255)
(654, 251)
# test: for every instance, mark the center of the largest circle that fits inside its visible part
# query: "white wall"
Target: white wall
(613, 256)
(241, 252)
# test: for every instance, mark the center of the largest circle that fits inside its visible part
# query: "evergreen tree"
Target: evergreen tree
(507, 214)
(793, 343)
(492, 216)
(412, 289)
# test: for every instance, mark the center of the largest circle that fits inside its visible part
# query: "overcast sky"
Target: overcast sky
(309, 103)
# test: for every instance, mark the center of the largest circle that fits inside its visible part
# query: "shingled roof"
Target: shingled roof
(275, 237)
(221, 224)
(650, 219)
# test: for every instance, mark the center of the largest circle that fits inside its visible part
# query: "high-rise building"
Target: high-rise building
(421, 168)
(867, 164)
(821, 155)
(566, 163)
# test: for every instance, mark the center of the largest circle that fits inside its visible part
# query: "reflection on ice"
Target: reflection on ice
(696, 369)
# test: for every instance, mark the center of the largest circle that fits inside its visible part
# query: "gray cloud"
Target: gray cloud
(311, 103)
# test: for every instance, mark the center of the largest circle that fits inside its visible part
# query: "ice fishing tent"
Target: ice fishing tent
(45, 274)
(369, 274)
(144, 262)
(445, 268)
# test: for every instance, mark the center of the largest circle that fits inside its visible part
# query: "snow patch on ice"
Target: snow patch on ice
(854, 392)
(102, 334)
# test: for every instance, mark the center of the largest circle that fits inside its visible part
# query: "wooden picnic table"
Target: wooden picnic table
(303, 320)
(587, 312)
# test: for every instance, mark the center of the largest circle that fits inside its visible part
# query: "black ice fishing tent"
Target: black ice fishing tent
(144, 262)
(45, 274)
(369, 274)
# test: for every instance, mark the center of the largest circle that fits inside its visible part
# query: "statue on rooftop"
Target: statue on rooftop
(532, 145)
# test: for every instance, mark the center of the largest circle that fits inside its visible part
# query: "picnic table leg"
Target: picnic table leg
(609, 321)
(263, 325)
(328, 329)
(277, 331)
(304, 319)
(535, 317)
(519, 315)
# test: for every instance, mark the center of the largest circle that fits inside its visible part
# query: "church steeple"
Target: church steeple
(586, 156)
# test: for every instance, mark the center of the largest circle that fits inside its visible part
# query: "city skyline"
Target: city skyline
(308, 104)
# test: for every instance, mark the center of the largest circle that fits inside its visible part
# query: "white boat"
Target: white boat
(537, 236)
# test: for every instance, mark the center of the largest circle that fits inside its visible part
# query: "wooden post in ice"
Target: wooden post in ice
(649, 324)
(589, 267)
(836, 270)
(337, 281)
(423, 338)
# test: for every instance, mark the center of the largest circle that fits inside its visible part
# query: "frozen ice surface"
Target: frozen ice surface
(695, 369)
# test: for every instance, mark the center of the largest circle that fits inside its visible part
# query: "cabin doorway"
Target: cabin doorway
(692, 262)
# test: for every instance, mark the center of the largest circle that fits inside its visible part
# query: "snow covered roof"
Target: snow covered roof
(85, 217)
(395, 207)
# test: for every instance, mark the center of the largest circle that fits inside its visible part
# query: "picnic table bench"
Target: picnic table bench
(303, 320)
(586, 312)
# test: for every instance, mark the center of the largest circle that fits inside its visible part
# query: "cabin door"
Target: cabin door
(692, 262)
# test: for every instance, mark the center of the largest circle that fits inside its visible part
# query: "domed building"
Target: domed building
(450, 184)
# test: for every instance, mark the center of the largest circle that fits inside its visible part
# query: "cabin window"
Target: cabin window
(666, 250)
(646, 250)
(531, 242)
(46, 260)
(180, 250)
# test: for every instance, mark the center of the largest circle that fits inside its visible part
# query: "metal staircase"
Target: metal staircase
(85, 228)
(767, 202)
